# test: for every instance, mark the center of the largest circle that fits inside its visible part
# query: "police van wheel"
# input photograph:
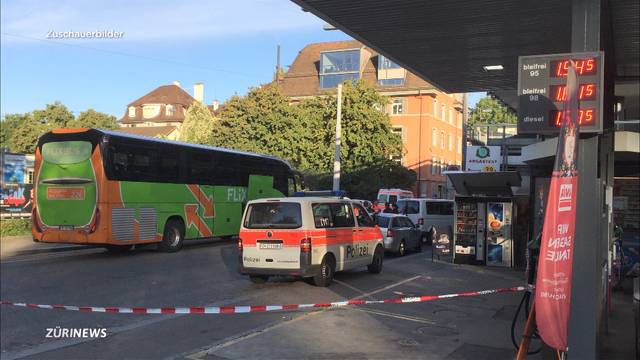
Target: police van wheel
(376, 264)
(325, 275)
(259, 279)
(173, 236)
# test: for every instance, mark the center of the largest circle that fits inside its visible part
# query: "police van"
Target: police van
(308, 237)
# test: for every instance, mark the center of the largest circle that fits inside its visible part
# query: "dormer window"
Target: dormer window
(389, 73)
(132, 111)
(339, 66)
(170, 110)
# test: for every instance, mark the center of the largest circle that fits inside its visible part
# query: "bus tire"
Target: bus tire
(173, 236)
(118, 249)
(327, 269)
(259, 279)
(376, 263)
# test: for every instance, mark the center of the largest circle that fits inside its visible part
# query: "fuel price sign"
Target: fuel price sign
(542, 89)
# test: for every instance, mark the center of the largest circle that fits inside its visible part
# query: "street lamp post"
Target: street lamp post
(336, 161)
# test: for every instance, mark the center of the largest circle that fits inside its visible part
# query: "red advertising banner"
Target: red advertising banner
(553, 281)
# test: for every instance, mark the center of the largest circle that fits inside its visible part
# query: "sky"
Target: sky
(230, 46)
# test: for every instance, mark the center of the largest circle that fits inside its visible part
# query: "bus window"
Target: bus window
(447, 208)
(169, 165)
(200, 168)
(135, 163)
(433, 208)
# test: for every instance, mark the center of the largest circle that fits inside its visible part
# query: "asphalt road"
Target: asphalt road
(206, 274)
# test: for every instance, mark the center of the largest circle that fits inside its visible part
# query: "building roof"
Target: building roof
(303, 77)
(150, 131)
(166, 94)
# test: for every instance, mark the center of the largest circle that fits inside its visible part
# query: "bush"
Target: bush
(365, 182)
(12, 227)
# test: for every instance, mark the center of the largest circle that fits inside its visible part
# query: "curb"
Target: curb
(53, 250)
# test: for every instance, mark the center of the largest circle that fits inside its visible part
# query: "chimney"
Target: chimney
(198, 91)
(215, 104)
(176, 83)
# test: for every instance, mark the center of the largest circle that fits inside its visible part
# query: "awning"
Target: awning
(498, 183)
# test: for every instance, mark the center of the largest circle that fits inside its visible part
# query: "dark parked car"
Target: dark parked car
(400, 234)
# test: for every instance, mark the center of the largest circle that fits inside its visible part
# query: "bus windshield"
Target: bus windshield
(273, 216)
(66, 152)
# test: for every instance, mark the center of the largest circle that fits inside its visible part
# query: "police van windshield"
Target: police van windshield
(273, 216)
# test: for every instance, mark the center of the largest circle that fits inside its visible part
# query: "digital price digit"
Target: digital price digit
(559, 68)
(586, 117)
(586, 92)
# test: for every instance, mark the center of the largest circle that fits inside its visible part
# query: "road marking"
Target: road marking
(261, 331)
(56, 345)
(397, 316)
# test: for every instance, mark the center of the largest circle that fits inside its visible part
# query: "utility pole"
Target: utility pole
(464, 132)
(336, 161)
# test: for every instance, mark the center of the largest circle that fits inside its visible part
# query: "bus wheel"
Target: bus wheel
(376, 263)
(259, 279)
(118, 249)
(325, 275)
(173, 236)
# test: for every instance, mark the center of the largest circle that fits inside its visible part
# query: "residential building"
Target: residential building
(427, 119)
(161, 112)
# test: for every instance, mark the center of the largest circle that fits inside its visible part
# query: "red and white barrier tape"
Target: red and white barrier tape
(254, 308)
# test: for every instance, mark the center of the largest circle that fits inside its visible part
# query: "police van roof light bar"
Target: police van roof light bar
(339, 193)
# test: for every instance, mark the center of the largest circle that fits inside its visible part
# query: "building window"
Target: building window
(398, 130)
(386, 63)
(459, 144)
(433, 165)
(132, 111)
(451, 119)
(337, 67)
(443, 114)
(397, 106)
(434, 137)
(395, 77)
(459, 119)
(450, 138)
(170, 110)
(442, 139)
(391, 82)
(150, 111)
(435, 108)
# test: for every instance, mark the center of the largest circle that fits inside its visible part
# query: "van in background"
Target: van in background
(433, 216)
(392, 196)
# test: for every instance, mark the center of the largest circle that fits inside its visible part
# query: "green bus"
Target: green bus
(109, 188)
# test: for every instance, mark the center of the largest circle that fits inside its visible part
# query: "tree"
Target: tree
(261, 122)
(24, 138)
(198, 124)
(8, 125)
(366, 130)
(55, 115)
(95, 119)
(489, 111)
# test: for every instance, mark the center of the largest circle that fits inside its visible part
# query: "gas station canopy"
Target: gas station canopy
(449, 43)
